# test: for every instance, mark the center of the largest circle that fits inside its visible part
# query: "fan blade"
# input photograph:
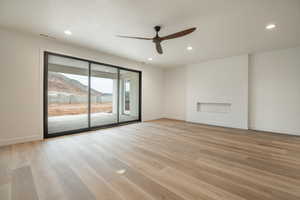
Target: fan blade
(139, 38)
(178, 34)
(158, 47)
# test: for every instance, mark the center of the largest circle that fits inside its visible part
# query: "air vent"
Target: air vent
(47, 36)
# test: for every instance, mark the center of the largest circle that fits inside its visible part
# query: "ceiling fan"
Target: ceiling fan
(157, 39)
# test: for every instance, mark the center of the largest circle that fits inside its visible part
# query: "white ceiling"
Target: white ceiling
(225, 27)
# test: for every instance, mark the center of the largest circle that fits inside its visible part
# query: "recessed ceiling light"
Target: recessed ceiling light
(150, 59)
(121, 171)
(270, 26)
(189, 48)
(68, 32)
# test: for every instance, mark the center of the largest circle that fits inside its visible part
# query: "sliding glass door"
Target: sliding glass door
(104, 95)
(67, 94)
(80, 95)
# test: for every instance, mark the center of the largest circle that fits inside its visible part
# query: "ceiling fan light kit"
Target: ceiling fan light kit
(157, 39)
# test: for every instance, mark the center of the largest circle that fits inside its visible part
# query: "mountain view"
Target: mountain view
(67, 96)
(59, 83)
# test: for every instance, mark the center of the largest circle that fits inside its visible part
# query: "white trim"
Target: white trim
(276, 131)
(20, 140)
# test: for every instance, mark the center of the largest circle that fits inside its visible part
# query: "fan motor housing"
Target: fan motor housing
(157, 28)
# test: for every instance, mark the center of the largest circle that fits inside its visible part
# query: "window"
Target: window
(127, 97)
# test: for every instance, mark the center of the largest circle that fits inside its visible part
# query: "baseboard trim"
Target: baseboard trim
(275, 131)
(218, 125)
(173, 119)
(20, 140)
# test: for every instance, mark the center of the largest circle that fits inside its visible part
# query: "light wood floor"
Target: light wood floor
(157, 160)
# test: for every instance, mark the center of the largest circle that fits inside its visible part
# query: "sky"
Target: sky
(104, 85)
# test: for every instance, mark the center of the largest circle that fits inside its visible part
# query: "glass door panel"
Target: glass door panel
(104, 95)
(129, 108)
(68, 87)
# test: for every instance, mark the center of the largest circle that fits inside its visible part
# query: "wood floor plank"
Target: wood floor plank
(110, 174)
(147, 184)
(5, 172)
(213, 178)
(162, 159)
(73, 186)
(223, 181)
(47, 181)
(23, 186)
(184, 187)
(97, 185)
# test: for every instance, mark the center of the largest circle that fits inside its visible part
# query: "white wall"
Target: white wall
(219, 81)
(274, 92)
(174, 95)
(21, 83)
(274, 87)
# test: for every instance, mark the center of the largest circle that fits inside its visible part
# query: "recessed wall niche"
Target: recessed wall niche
(212, 107)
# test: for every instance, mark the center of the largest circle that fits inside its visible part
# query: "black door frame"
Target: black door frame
(45, 96)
